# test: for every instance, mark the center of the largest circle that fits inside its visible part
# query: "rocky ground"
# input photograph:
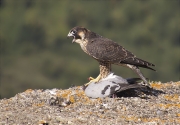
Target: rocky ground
(160, 105)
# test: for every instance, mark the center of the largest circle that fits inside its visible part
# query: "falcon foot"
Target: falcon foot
(93, 80)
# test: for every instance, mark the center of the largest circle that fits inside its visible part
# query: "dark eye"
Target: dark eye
(73, 31)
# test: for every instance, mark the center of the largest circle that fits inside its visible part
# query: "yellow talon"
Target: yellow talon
(95, 80)
(90, 78)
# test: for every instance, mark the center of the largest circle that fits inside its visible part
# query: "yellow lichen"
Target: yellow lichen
(28, 91)
(80, 93)
(130, 118)
(169, 105)
(71, 98)
(157, 86)
(155, 119)
(64, 94)
(174, 97)
(38, 104)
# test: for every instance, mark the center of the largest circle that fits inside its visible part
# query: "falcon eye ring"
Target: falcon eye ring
(73, 32)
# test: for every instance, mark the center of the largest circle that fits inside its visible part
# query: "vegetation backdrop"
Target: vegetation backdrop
(35, 53)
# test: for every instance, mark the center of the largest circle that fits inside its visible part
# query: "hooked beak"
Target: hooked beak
(71, 35)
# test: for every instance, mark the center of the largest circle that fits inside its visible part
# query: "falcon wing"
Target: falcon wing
(104, 49)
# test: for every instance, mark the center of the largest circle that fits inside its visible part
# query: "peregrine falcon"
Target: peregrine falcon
(107, 52)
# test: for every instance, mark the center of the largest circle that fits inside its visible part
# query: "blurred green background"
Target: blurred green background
(35, 53)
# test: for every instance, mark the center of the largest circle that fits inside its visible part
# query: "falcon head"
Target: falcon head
(78, 34)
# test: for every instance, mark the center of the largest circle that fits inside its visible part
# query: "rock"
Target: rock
(161, 106)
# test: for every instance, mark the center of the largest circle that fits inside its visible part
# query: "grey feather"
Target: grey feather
(110, 85)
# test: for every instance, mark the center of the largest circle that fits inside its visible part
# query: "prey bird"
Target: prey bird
(111, 86)
(107, 52)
